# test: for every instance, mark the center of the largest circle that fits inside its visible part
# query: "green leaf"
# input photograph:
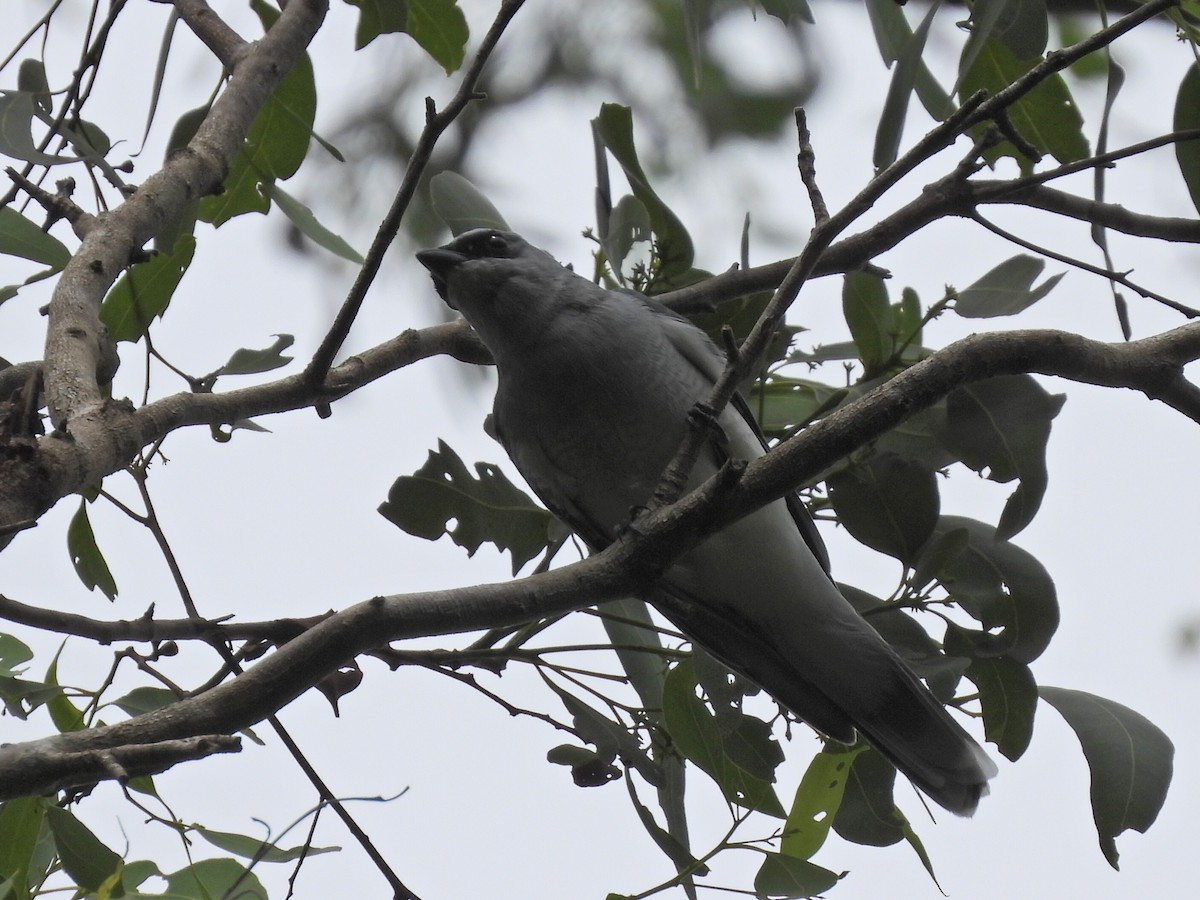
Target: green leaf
(20, 237)
(895, 105)
(20, 825)
(1002, 586)
(302, 217)
(1187, 117)
(697, 735)
(628, 223)
(786, 876)
(1024, 27)
(1046, 117)
(893, 34)
(31, 78)
(145, 699)
(276, 143)
(86, 556)
(256, 848)
(636, 640)
(1006, 290)
(93, 865)
(1002, 425)
(985, 15)
(1008, 695)
(867, 312)
(376, 17)
(488, 508)
(182, 132)
(611, 740)
(461, 205)
(787, 10)
(888, 503)
(17, 112)
(440, 27)
(868, 813)
(66, 716)
(816, 803)
(211, 878)
(252, 362)
(782, 404)
(13, 653)
(1130, 758)
(614, 126)
(144, 292)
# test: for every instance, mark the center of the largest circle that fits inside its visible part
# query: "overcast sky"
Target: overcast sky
(285, 523)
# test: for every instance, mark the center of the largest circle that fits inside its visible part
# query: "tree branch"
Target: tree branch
(1152, 365)
(435, 124)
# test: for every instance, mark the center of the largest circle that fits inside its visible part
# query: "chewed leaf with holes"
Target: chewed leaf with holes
(443, 497)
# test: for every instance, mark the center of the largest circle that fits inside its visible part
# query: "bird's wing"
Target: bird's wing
(694, 346)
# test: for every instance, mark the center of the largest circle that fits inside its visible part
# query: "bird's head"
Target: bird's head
(503, 285)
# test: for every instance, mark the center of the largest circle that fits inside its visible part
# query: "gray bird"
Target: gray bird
(595, 389)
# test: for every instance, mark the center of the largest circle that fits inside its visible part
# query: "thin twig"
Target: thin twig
(435, 123)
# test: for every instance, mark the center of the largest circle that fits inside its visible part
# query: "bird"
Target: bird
(594, 391)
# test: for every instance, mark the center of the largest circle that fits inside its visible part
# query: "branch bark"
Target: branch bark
(1153, 366)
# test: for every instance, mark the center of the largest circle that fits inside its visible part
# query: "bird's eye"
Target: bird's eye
(495, 245)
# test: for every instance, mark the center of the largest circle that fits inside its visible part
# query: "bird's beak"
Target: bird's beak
(440, 261)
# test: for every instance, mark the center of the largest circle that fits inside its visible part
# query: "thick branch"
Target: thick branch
(225, 43)
(75, 341)
(1153, 366)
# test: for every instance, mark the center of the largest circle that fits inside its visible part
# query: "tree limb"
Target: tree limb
(629, 566)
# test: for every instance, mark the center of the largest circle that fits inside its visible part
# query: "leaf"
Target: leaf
(787, 10)
(275, 145)
(866, 310)
(782, 404)
(13, 653)
(20, 823)
(1002, 586)
(144, 292)
(1130, 758)
(1046, 117)
(697, 735)
(895, 105)
(31, 79)
(985, 14)
(63, 713)
(1006, 290)
(440, 27)
(786, 876)
(256, 848)
(614, 126)
(488, 508)
(93, 865)
(816, 803)
(628, 223)
(17, 112)
(1002, 425)
(888, 503)
(21, 237)
(1024, 28)
(1187, 117)
(376, 17)
(252, 362)
(1008, 695)
(893, 34)
(868, 814)
(211, 878)
(302, 217)
(461, 205)
(145, 699)
(182, 132)
(86, 556)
